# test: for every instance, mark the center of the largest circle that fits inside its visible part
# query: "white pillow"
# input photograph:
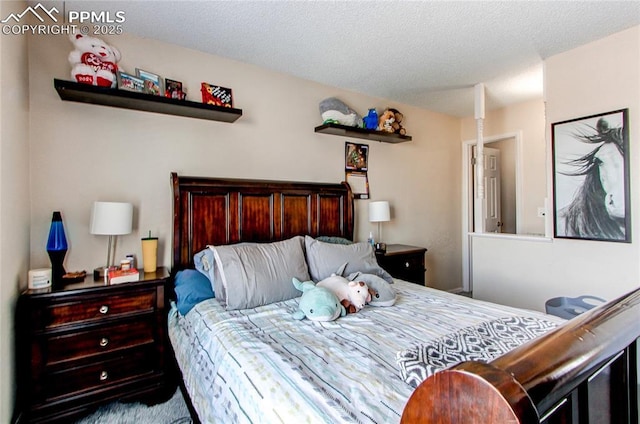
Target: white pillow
(248, 275)
(325, 259)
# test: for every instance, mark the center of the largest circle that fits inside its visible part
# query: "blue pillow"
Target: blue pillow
(192, 287)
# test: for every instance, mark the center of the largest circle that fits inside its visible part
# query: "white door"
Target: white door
(491, 204)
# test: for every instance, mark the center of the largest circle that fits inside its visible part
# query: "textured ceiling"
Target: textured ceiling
(424, 53)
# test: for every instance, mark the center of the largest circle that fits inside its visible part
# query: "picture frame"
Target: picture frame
(173, 89)
(356, 156)
(152, 82)
(591, 196)
(216, 95)
(359, 183)
(129, 82)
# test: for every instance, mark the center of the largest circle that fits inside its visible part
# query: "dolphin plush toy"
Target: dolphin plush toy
(317, 303)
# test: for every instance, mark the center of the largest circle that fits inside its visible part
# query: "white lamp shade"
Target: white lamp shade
(111, 218)
(379, 211)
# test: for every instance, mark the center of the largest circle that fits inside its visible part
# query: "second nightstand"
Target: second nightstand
(404, 262)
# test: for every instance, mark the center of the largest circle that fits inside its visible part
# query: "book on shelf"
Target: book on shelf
(118, 276)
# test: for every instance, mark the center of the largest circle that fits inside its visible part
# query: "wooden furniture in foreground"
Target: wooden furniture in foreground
(88, 343)
(404, 262)
(583, 372)
(523, 386)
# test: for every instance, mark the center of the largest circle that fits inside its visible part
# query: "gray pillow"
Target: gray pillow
(248, 275)
(325, 259)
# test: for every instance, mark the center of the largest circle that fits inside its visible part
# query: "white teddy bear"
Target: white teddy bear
(93, 61)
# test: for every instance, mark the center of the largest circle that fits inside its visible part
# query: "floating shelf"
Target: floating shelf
(85, 93)
(355, 132)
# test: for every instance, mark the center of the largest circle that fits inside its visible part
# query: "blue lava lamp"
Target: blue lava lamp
(57, 249)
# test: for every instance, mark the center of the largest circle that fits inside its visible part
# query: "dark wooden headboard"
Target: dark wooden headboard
(224, 211)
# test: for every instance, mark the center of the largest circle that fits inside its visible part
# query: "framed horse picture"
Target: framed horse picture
(591, 199)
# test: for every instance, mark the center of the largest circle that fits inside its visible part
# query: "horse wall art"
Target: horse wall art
(591, 178)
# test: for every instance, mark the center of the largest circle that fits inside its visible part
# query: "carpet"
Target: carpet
(173, 411)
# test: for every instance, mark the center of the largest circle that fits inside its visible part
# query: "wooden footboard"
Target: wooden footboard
(583, 372)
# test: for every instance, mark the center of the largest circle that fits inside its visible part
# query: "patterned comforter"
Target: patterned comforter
(262, 366)
(483, 343)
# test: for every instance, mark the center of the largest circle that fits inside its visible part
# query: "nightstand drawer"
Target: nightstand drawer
(404, 262)
(105, 339)
(94, 309)
(131, 364)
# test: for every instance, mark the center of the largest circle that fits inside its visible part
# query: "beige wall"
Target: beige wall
(81, 153)
(527, 118)
(14, 196)
(599, 77)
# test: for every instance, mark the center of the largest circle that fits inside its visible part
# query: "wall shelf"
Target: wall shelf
(354, 132)
(85, 93)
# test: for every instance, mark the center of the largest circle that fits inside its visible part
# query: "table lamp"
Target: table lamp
(57, 248)
(111, 219)
(379, 212)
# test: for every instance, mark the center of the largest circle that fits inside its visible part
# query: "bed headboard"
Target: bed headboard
(224, 211)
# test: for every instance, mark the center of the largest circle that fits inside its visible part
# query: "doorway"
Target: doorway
(509, 209)
(495, 193)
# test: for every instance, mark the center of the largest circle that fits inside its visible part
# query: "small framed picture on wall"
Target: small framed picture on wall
(356, 156)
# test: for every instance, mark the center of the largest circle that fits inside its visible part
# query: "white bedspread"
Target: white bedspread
(262, 366)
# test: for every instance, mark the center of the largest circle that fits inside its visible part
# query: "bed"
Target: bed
(432, 357)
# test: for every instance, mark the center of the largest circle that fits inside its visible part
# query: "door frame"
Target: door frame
(467, 198)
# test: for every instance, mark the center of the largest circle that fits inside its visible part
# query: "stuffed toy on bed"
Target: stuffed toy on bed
(382, 293)
(356, 292)
(317, 303)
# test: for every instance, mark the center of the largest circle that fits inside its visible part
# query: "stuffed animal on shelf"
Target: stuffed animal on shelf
(385, 121)
(371, 120)
(390, 121)
(356, 292)
(397, 122)
(93, 61)
(333, 110)
(317, 303)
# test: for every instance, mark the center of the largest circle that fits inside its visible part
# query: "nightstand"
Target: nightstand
(404, 262)
(88, 343)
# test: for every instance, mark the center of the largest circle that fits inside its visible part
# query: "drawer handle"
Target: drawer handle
(407, 264)
(104, 376)
(104, 309)
(104, 342)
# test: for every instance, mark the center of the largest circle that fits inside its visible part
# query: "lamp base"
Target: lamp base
(57, 267)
